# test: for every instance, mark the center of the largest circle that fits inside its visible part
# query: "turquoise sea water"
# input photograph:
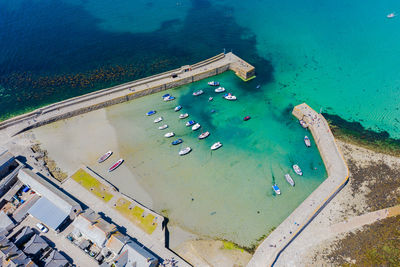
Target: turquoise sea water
(336, 55)
(226, 193)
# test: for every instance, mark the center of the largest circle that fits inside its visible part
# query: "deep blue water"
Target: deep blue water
(52, 50)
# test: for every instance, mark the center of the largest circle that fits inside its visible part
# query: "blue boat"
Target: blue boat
(177, 108)
(151, 112)
(166, 95)
(276, 189)
(169, 98)
(190, 123)
(177, 141)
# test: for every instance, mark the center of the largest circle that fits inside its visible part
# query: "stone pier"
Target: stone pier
(127, 91)
(269, 250)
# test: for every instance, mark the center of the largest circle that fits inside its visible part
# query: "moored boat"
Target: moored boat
(168, 98)
(213, 83)
(185, 151)
(204, 135)
(220, 89)
(170, 134)
(158, 119)
(165, 126)
(230, 97)
(216, 145)
(258, 86)
(183, 116)
(196, 127)
(391, 15)
(198, 93)
(246, 118)
(190, 123)
(177, 108)
(289, 179)
(105, 156)
(303, 124)
(297, 169)
(177, 141)
(115, 165)
(151, 112)
(307, 141)
(210, 99)
(276, 189)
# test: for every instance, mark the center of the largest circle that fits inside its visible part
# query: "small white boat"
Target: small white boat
(220, 89)
(216, 145)
(105, 156)
(210, 99)
(307, 141)
(204, 135)
(165, 126)
(158, 119)
(276, 189)
(196, 127)
(115, 165)
(198, 93)
(230, 97)
(297, 169)
(289, 179)
(213, 83)
(183, 116)
(170, 134)
(177, 108)
(391, 15)
(303, 124)
(185, 151)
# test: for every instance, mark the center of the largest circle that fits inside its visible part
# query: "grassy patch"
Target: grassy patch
(92, 185)
(136, 215)
(231, 245)
(375, 245)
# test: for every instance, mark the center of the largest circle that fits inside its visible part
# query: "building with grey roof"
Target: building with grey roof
(6, 224)
(56, 259)
(23, 236)
(134, 254)
(9, 168)
(91, 226)
(35, 247)
(116, 242)
(11, 256)
(54, 207)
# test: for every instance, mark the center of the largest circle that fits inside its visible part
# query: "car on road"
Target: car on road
(42, 228)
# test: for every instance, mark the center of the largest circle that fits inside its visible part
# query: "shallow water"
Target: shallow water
(225, 193)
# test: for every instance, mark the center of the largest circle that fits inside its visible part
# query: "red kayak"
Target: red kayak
(246, 118)
(115, 165)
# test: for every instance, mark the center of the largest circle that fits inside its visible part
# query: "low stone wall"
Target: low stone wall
(118, 94)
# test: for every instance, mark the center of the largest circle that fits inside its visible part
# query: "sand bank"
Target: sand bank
(80, 148)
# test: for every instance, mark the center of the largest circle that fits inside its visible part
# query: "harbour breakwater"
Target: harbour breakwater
(128, 91)
(269, 250)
